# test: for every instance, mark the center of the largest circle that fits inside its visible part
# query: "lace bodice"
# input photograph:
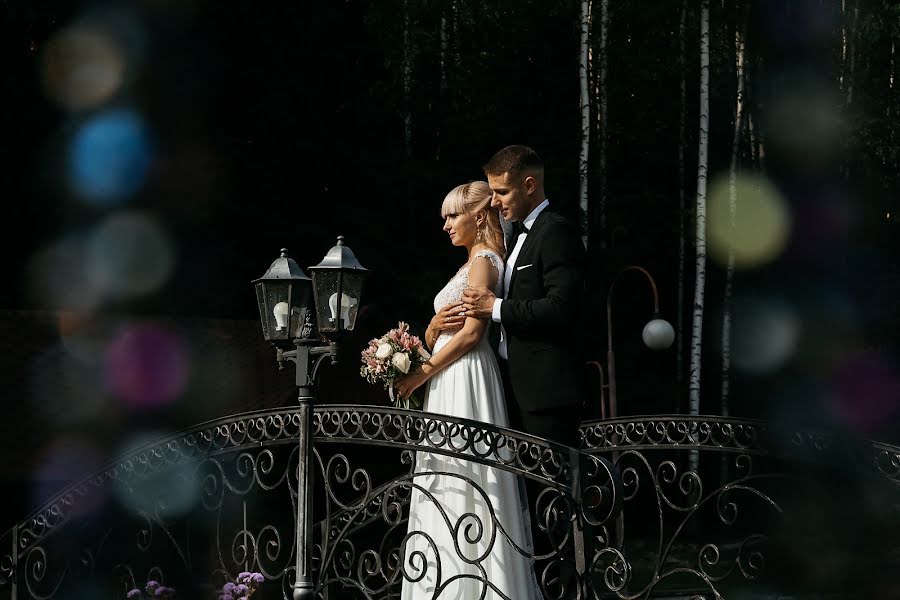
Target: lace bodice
(454, 288)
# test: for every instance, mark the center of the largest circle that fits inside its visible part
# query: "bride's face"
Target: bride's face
(462, 228)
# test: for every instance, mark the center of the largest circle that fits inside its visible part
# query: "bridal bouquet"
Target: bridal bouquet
(393, 355)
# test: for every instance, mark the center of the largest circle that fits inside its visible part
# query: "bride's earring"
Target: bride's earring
(479, 234)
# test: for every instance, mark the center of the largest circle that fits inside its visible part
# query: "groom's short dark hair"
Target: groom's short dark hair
(513, 160)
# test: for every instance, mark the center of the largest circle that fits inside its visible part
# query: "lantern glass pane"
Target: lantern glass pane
(351, 289)
(300, 297)
(261, 306)
(325, 283)
(275, 313)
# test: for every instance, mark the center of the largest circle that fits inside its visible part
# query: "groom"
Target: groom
(540, 312)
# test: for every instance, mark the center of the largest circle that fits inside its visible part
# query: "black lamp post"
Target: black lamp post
(283, 295)
(658, 334)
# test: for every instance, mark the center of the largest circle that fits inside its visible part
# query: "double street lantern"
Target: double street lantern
(338, 282)
(287, 299)
(283, 295)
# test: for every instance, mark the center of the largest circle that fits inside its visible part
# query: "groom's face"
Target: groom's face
(513, 195)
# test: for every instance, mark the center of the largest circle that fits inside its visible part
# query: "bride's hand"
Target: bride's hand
(407, 384)
(449, 318)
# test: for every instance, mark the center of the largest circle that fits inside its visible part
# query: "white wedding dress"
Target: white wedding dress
(488, 563)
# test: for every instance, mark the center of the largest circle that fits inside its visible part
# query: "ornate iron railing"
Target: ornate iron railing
(722, 528)
(624, 517)
(221, 497)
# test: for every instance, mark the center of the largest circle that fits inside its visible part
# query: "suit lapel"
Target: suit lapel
(526, 245)
(509, 240)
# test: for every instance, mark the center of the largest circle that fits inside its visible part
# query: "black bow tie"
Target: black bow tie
(519, 228)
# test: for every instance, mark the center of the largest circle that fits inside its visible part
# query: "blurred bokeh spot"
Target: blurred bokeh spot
(82, 68)
(64, 388)
(147, 366)
(109, 157)
(169, 492)
(805, 125)
(761, 224)
(128, 255)
(57, 277)
(766, 331)
(64, 462)
(866, 391)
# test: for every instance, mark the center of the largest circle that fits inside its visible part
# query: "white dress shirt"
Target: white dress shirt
(510, 269)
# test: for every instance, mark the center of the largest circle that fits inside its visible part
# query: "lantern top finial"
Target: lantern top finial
(340, 257)
(284, 267)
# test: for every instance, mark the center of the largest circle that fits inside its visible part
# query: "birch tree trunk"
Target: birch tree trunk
(843, 44)
(850, 62)
(702, 166)
(757, 140)
(893, 70)
(602, 126)
(445, 44)
(890, 102)
(852, 42)
(759, 146)
(682, 258)
(585, 118)
(732, 212)
(754, 142)
(454, 31)
(407, 81)
(444, 87)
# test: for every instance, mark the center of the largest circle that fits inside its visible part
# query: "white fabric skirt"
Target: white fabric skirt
(463, 537)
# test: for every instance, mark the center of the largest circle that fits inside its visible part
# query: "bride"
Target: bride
(444, 556)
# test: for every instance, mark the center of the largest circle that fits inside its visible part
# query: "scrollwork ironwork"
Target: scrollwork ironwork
(647, 520)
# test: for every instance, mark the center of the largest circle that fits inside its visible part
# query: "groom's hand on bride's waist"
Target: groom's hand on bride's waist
(478, 302)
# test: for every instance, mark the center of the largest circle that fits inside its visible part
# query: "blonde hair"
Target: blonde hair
(472, 198)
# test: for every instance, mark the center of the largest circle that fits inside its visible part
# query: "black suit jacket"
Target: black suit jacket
(542, 316)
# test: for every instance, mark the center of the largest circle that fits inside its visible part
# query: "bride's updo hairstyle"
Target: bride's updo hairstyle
(473, 198)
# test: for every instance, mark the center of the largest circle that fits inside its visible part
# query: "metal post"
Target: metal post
(603, 386)
(581, 544)
(14, 575)
(619, 526)
(303, 583)
(611, 370)
(246, 547)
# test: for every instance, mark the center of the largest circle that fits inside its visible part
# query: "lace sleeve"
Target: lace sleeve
(497, 263)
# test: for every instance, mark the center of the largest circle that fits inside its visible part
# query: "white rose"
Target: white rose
(401, 361)
(424, 353)
(384, 351)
